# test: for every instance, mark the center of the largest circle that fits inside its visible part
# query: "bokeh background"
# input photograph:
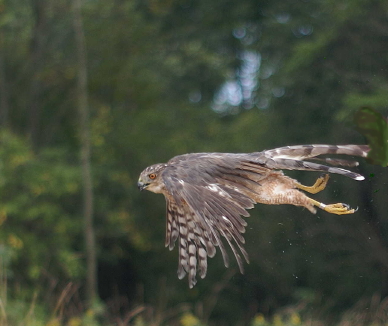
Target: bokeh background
(92, 92)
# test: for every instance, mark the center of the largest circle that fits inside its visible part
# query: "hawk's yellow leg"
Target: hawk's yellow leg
(318, 186)
(339, 208)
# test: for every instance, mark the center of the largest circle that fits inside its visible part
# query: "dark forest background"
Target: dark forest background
(92, 92)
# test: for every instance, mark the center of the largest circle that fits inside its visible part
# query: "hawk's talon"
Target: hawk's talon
(318, 186)
(339, 209)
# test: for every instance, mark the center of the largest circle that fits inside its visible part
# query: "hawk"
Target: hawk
(208, 193)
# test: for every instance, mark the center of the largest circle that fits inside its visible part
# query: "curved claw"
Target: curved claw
(339, 209)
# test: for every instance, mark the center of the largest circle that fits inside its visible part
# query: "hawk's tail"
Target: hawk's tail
(292, 158)
(302, 152)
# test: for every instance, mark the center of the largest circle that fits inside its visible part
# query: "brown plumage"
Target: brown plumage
(207, 193)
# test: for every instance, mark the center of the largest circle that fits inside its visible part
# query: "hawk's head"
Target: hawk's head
(150, 178)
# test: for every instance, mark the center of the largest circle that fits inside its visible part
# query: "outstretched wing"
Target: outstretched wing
(205, 204)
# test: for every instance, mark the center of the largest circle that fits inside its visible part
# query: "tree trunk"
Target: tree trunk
(4, 106)
(90, 244)
(37, 59)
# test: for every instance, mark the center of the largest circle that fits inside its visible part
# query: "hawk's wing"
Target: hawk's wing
(206, 196)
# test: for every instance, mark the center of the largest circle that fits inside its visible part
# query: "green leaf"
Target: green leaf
(374, 127)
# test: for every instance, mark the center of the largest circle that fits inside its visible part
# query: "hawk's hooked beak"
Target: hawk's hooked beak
(141, 185)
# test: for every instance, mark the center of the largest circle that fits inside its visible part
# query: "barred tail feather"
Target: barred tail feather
(301, 152)
(292, 158)
(303, 165)
(336, 161)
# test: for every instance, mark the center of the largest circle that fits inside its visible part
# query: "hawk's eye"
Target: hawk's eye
(152, 176)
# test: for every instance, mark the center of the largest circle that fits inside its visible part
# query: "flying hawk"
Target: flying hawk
(207, 193)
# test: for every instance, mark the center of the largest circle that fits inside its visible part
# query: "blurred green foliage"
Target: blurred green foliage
(374, 127)
(36, 195)
(157, 72)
